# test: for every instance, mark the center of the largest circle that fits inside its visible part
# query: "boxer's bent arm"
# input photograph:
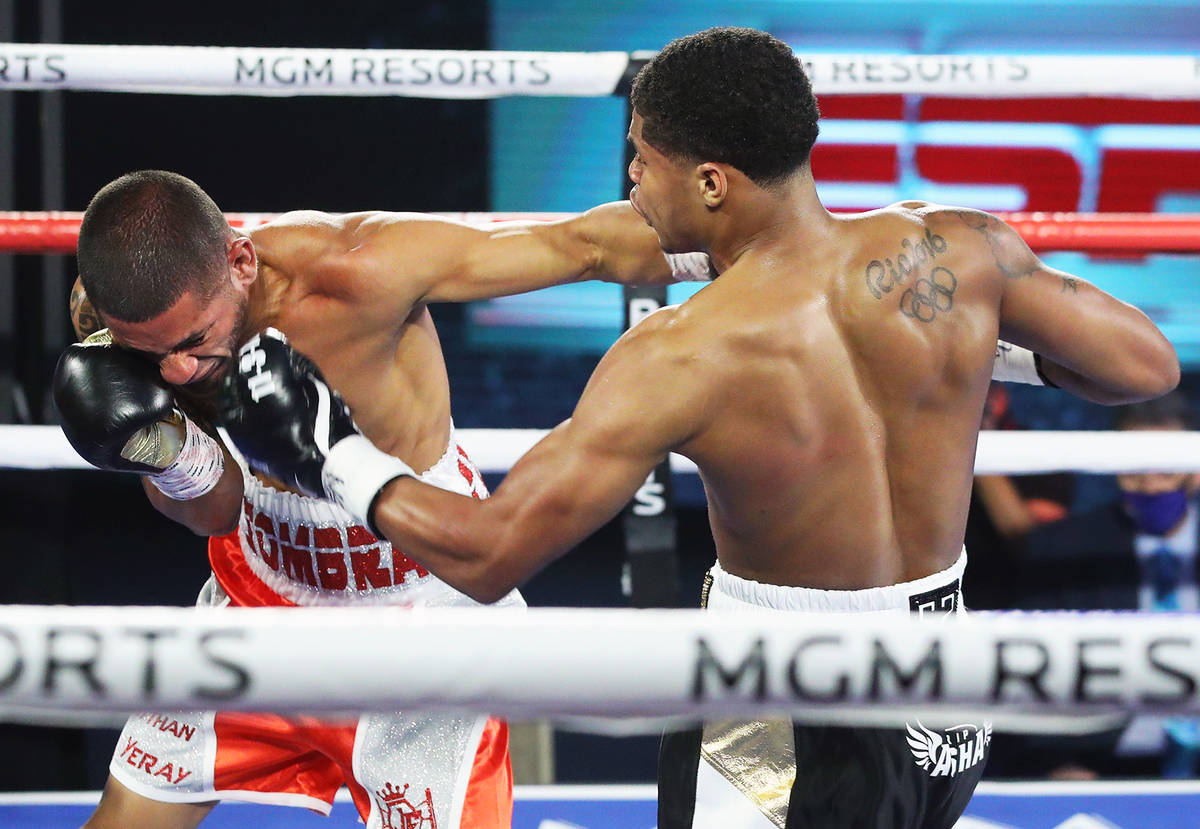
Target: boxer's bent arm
(444, 261)
(214, 513)
(565, 488)
(1092, 344)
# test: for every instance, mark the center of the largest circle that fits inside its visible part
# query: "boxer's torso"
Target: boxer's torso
(844, 389)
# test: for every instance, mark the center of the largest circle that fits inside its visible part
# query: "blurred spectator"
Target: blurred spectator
(1003, 511)
(1137, 552)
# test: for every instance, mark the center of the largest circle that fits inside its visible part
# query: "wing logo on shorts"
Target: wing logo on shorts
(398, 812)
(950, 752)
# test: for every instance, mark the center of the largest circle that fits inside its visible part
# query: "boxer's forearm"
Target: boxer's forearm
(214, 513)
(1109, 393)
(458, 539)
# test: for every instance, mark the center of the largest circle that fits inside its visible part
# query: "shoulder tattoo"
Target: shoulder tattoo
(928, 286)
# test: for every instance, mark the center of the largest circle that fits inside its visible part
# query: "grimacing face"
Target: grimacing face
(193, 342)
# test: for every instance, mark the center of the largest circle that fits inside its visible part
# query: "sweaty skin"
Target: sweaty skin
(829, 385)
(351, 292)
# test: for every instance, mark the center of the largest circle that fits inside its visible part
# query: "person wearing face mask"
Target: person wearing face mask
(1135, 552)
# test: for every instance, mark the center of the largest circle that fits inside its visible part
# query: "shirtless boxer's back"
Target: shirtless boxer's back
(829, 385)
(841, 391)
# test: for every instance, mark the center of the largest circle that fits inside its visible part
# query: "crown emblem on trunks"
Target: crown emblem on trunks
(398, 812)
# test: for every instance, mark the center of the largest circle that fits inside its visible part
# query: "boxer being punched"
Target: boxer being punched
(179, 291)
(829, 384)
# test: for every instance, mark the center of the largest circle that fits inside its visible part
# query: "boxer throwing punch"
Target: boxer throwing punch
(829, 384)
(179, 292)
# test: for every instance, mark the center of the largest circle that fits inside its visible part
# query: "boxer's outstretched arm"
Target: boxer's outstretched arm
(638, 406)
(1092, 344)
(421, 259)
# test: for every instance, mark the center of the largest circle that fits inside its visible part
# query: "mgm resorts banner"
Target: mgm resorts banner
(1034, 672)
(218, 70)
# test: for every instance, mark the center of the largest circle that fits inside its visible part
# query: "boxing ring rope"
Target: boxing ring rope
(998, 453)
(1094, 233)
(211, 70)
(1027, 672)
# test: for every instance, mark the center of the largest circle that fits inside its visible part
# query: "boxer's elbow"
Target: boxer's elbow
(491, 577)
(1167, 373)
(1153, 371)
(502, 562)
(489, 591)
(473, 563)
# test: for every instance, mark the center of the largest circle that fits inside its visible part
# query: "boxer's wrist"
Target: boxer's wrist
(195, 470)
(355, 472)
(1015, 364)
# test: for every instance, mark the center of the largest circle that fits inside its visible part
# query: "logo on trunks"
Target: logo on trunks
(941, 601)
(949, 752)
(398, 812)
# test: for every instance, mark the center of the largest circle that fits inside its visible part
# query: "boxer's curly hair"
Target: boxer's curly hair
(733, 95)
(146, 239)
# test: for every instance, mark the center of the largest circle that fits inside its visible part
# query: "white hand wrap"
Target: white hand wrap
(195, 470)
(691, 267)
(1015, 364)
(355, 471)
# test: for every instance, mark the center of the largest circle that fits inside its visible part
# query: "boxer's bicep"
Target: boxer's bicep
(512, 258)
(1102, 349)
(398, 261)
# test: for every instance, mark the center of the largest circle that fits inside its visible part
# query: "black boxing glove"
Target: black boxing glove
(118, 414)
(281, 414)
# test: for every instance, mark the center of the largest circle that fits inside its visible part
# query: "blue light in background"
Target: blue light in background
(567, 154)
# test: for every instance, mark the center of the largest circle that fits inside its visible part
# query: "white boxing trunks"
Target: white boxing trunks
(403, 770)
(737, 774)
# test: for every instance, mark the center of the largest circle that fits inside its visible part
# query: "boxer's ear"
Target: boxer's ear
(712, 183)
(243, 261)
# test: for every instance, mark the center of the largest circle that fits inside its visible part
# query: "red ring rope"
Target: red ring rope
(1098, 233)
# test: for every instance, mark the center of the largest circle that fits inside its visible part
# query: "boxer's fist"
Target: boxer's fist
(280, 413)
(116, 410)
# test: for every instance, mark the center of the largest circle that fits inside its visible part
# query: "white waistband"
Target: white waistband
(311, 551)
(730, 592)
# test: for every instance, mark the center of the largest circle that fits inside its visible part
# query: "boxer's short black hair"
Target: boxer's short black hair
(147, 238)
(732, 95)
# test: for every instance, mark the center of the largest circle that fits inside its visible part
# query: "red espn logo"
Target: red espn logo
(1130, 179)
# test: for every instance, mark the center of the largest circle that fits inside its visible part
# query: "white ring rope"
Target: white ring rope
(1023, 671)
(1008, 453)
(212, 70)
